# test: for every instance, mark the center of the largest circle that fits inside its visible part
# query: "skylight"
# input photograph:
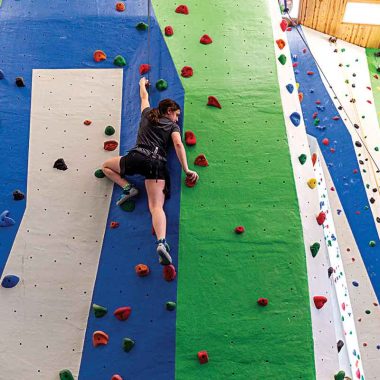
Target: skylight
(362, 13)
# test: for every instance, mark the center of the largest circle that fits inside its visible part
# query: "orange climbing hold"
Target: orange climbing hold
(87, 122)
(183, 9)
(114, 224)
(169, 272)
(213, 102)
(280, 43)
(142, 270)
(190, 138)
(120, 7)
(122, 313)
(110, 145)
(314, 158)
(205, 39)
(300, 96)
(283, 25)
(187, 72)
(310, 72)
(99, 338)
(99, 56)
(201, 160)
(319, 301)
(144, 68)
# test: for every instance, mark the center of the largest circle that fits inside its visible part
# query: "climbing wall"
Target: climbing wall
(248, 182)
(374, 70)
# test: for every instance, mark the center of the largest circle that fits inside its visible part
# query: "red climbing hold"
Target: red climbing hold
(262, 301)
(332, 150)
(321, 218)
(116, 377)
(317, 102)
(314, 158)
(304, 50)
(189, 182)
(142, 270)
(169, 272)
(120, 7)
(87, 122)
(122, 313)
(310, 72)
(187, 72)
(325, 141)
(295, 64)
(205, 39)
(213, 102)
(239, 229)
(336, 118)
(280, 43)
(319, 301)
(110, 145)
(183, 9)
(300, 96)
(368, 88)
(114, 224)
(368, 101)
(99, 338)
(315, 114)
(169, 31)
(144, 68)
(201, 160)
(289, 28)
(190, 138)
(355, 171)
(283, 25)
(203, 357)
(99, 55)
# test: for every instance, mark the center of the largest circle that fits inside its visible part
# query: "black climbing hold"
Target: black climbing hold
(20, 82)
(377, 54)
(99, 311)
(378, 220)
(358, 144)
(142, 26)
(339, 345)
(66, 374)
(372, 200)
(60, 164)
(330, 271)
(128, 344)
(18, 195)
(340, 108)
(128, 206)
(110, 130)
(170, 305)
(356, 126)
(1, 74)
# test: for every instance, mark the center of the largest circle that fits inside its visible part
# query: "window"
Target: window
(362, 13)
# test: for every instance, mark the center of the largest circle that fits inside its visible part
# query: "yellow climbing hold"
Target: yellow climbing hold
(312, 182)
(297, 85)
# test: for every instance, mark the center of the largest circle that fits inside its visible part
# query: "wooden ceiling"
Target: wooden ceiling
(326, 17)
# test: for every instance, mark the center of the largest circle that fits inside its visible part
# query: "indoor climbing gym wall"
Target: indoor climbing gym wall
(275, 249)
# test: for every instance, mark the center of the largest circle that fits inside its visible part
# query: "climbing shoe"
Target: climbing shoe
(163, 250)
(128, 192)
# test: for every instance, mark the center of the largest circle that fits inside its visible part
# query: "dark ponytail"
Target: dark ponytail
(163, 107)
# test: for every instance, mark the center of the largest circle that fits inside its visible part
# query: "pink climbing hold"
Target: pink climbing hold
(169, 272)
(321, 218)
(213, 102)
(203, 357)
(355, 171)
(144, 68)
(325, 141)
(369, 88)
(332, 150)
(310, 73)
(205, 39)
(358, 373)
(295, 64)
(283, 25)
(315, 114)
(368, 101)
(116, 377)
(239, 229)
(169, 31)
(319, 301)
(304, 50)
(122, 313)
(183, 9)
(336, 118)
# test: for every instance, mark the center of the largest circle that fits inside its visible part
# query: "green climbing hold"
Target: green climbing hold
(170, 305)
(119, 61)
(314, 249)
(316, 121)
(282, 59)
(65, 374)
(128, 344)
(161, 85)
(302, 158)
(340, 375)
(368, 311)
(343, 50)
(372, 243)
(99, 311)
(376, 148)
(142, 26)
(128, 206)
(99, 173)
(110, 130)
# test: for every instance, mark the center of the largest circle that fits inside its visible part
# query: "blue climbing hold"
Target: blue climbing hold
(320, 127)
(355, 283)
(294, 57)
(5, 220)
(1, 74)
(290, 88)
(295, 119)
(311, 91)
(10, 281)
(320, 108)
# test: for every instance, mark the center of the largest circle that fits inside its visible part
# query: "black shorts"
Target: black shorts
(138, 163)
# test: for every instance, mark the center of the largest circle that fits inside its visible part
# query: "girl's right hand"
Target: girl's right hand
(143, 81)
(192, 175)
